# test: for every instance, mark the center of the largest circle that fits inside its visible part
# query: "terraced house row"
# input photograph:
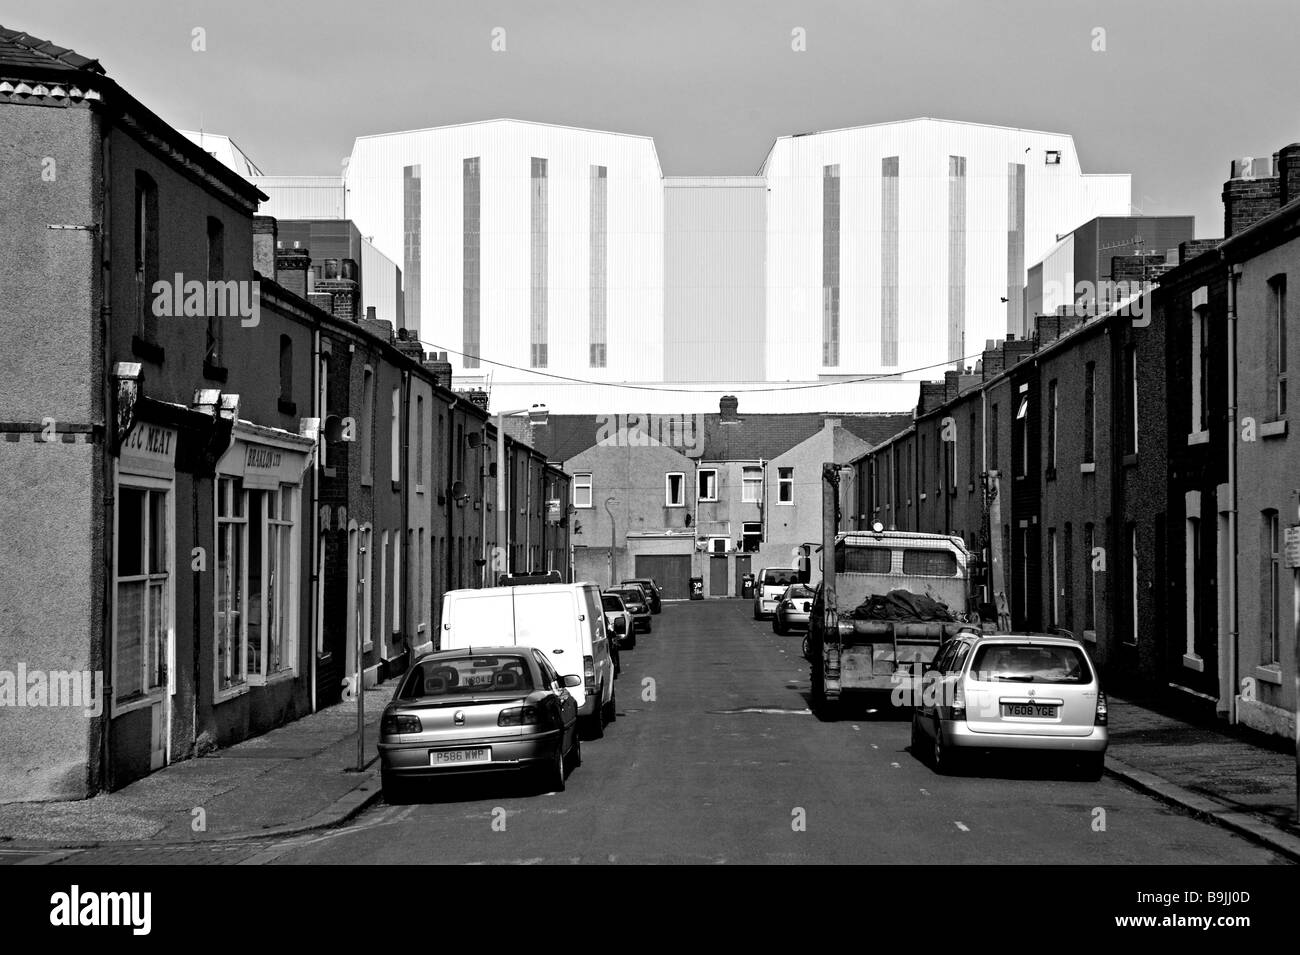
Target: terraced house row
(1130, 476)
(227, 498)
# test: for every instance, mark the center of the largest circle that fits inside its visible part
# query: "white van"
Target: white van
(769, 587)
(565, 621)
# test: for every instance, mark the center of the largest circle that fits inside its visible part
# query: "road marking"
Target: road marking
(925, 791)
(895, 765)
(874, 746)
(857, 728)
(962, 827)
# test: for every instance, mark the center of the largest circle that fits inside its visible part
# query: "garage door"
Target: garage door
(672, 572)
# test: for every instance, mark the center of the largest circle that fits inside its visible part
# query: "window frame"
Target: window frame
(748, 484)
(589, 487)
(681, 489)
(746, 535)
(785, 486)
(147, 696)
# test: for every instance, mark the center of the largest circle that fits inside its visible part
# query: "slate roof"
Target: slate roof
(22, 50)
(750, 438)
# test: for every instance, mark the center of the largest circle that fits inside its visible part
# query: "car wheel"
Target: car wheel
(917, 750)
(943, 757)
(575, 753)
(758, 614)
(778, 628)
(551, 778)
(648, 626)
(631, 645)
(805, 648)
(397, 792)
(609, 708)
(595, 723)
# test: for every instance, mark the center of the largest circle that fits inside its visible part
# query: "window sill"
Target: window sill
(1088, 467)
(280, 676)
(419, 489)
(785, 503)
(1272, 673)
(1198, 437)
(367, 482)
(707, 500)
(674, 505)
(225, 696)
(1273, 429)
(1090, 636)
(327, 472)
(368, 646)
(923, 496)
(1130, 460)
(1193, 662)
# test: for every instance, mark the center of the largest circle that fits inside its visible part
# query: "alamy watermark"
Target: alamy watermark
(216, 298)
(685, 431)
(83, 689)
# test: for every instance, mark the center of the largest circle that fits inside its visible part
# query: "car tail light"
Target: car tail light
(522, 716)
(398, 724)
(1100, 719)
(788, 604)
(959, 701)
(589, 672)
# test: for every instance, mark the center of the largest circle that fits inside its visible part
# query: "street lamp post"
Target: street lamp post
(613, 561)
(537, 414)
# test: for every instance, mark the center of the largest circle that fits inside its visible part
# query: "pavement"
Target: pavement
(268, 793)
(299, 777)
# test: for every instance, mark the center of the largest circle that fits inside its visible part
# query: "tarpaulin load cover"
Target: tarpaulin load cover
(902, 605)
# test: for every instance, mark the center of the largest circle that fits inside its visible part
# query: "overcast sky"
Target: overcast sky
(1181, 87)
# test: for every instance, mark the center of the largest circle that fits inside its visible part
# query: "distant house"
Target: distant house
(715, 496)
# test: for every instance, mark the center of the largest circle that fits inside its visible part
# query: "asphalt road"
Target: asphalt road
(715, 758)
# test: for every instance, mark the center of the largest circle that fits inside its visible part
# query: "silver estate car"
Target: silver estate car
(1018, 691)
(479, 710)
(792, 609)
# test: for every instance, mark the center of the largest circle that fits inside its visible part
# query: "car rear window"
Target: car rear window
(467, 674)
(1030, 663)
(779, 578)
(799, 592)
(612, 602)
(863, 560)
(929, 563)
(630, 596)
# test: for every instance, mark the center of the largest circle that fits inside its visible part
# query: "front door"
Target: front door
(743, 562)
(718, 575)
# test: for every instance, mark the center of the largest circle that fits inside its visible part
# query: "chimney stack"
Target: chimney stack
(728, 407)
(291, 267)
(265, 233)
(1251, 192)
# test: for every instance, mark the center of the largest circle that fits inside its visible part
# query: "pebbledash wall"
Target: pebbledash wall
(208, 506)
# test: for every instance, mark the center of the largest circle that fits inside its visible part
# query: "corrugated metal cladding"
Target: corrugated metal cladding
(411, 233)
(956, 257)
(714, 279)
(302, 197)
(381, 286)
(1016, 248)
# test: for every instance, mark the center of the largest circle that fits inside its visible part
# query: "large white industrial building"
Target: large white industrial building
(534, 254)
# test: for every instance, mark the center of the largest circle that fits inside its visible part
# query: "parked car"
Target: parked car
(771, 583)
(634, 599)
(616, 613)
(1019, 691)
(490, 709)
(565, 621)
(652, 591)
(793, 609)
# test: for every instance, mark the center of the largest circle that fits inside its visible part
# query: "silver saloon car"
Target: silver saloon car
(1019, 691)
(792, 609)
(479, 710)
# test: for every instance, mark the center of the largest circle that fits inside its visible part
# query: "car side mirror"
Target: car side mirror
(573, 680)
(620, 625)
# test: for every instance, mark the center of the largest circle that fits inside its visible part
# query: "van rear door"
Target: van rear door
(478, 618)
(546, 617)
